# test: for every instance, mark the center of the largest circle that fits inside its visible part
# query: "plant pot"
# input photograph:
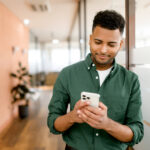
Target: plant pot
(23, 111)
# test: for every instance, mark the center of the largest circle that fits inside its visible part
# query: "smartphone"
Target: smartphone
(92, 97)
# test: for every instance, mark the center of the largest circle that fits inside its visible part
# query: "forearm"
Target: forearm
(64, 122)
(121, 132)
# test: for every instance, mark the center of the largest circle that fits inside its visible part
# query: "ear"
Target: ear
(121, 44)
(90, 39)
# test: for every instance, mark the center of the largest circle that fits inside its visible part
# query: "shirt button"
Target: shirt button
(96, 77)
(97, 134)
(93, 65)
(88, 68)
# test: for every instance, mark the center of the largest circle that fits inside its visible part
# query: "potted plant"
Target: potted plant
(21, 89)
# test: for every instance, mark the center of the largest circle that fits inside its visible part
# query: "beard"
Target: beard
(106, 59)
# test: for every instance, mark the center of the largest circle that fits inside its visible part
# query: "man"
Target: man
(117, 122)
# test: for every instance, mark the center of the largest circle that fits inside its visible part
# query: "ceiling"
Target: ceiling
(45, 25)
(58, 21)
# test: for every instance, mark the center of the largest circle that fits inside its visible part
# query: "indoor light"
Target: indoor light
(26, 21)
(55, 41)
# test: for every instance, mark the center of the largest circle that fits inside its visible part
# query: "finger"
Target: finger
(83, 104)
(89, 121)
(93, 110)
(92, 125)
(102, 106)
(79, 104)
(90, 114)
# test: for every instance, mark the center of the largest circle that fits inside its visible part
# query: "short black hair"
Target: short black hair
(109, 19)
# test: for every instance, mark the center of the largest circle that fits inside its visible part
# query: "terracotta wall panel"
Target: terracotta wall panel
(12, 33)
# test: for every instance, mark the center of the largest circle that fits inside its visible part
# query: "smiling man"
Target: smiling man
(117, 122)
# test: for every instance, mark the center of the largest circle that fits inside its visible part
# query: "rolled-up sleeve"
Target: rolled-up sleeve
(134, 118)
(58, 103)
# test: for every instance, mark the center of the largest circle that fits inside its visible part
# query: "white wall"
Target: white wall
(140, 58)
(140, 62)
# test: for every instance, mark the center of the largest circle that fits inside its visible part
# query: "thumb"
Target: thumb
(102, 106)
(80, 104)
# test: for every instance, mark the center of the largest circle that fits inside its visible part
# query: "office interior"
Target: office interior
(48, 35)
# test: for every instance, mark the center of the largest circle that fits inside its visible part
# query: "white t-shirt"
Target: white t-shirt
(103, 74)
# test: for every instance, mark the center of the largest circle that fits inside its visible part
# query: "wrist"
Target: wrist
(71, 117)
(108, 125)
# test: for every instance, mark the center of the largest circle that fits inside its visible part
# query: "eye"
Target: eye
(98, 42)
(111, 45)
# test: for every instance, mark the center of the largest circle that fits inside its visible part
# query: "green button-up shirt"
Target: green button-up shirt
(120, 92)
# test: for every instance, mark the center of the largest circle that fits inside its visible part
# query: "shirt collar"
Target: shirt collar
(88, 61)
(90, 64)
(114, 68)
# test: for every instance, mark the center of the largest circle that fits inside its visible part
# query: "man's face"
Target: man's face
(104, 45)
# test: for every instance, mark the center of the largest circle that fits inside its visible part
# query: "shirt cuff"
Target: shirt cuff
(50, 123)
(136, 135)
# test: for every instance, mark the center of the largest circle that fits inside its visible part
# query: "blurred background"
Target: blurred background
(47, 35)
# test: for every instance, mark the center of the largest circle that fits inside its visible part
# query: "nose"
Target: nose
(103, 48)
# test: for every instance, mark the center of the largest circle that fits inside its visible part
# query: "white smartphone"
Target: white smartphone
(92, 97)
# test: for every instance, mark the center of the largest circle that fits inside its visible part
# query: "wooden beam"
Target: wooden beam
(85, 30)
(73, 19)
(79, 31)
(130, 29)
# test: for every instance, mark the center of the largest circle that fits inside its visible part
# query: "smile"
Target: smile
(102, 56)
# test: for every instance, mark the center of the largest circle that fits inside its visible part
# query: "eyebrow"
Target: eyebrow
(111, 42)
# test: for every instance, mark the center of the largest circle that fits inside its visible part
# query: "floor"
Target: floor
(32, 133)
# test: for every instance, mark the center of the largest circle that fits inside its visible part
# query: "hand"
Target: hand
(95, 117)
(74, 114)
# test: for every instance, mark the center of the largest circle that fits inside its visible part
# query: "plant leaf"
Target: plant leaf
(13, 75)
(18, 71)
(23, 69)
(20, 64)
(20, 78)
(30, 75)
(25, 74)
(25, 82)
